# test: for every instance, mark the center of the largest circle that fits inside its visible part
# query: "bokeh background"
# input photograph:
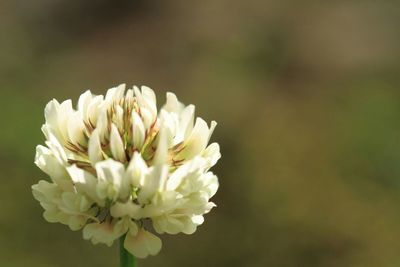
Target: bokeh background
(307, 98)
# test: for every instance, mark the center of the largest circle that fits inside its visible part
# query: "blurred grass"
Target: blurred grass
(306, 96)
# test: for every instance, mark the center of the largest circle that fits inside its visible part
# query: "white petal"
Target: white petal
(186, 123)
(128, 208)
(160, 156)
(119, 118)
(147, 103)
(123, 225)
(211, 183)
(143, 244)
(110, 174)
(115, 93)
(212, 128)
(148, 118)
(117, 145)
(136, 170)
(168, 224)
(46, 192)
(76, 129)
(138, 131)
(51, 114)
(133, 228)
(56, 148)
(102, 125)
(85, 183)
(198, 219)
(153, 182)
(129, 95)
(64, 112)
(48, 163)
(56, 115)
(148, 94)
(84, 102)
(190, 171)
(94, 109)
(212, 154)
(94, 148)
(172, 104)
(168, 124)
(102, 232)
(76, 223)
(76, 206)
(147, 99)
(196, 142)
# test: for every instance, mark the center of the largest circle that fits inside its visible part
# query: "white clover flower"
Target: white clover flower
(117, 166)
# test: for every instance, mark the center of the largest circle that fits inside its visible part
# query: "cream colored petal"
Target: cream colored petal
(146, 99)
(138, 131)
(85, 183)
(101, 233)
(136, 170)
(53, 215)
(190, 226)
(102, 126)
(56, 148)
(84, 102)
(119, 118)
(64, 112)
(95, 151)
(76, 129)
(186, 122)
(76, 223)
(168, 224)
(110, 174)
(130, 209)
(161, 154)
(212, 154)
(143, 244)
(172, 104)
(177, 223)
(46, 192)
(117, 145)
(133, 228)
(77, 207)
(152, 183)
(190, 170)
(49, 164)
(211, 184)
(121, 226)
(147, 117)
(94, 109)
(149, 94)
(196, 142)
(51, 114)
(169, 125)
(212, 128)
(115, 93)
(129, 96)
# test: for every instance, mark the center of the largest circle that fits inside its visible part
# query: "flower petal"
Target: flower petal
(136, 171)
(110, 174)
(85, 183)
(48, 163)
(95, 151)
(138, 130)
(142, 244)
(116, 144)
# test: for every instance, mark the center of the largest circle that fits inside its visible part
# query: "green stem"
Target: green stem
(126, 259)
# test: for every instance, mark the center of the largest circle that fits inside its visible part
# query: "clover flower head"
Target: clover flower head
(118, 166)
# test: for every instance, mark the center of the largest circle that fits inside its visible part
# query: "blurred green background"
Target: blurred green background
(307, 98)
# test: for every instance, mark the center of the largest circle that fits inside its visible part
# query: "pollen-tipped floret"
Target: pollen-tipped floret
(119, 167)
